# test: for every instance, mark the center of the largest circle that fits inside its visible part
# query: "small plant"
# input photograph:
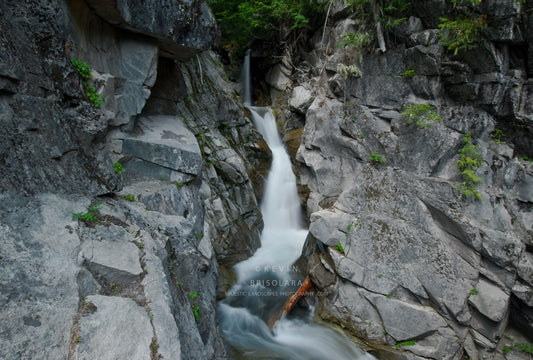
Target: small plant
(88, 216)
(119, 169)
(470, 160)
(83, 68)
(193, 294)
(405, 343)
(474, 292)
(85, 72)
(114, 287)
(77, 339)
(196, 312)
(179, 185)
(154, 347)
(408, 73)
(527, 158)
(349, 70)
(384, 332)
(461, 33)
(361, 135)
(423, 114)
(355, 40)
(140, 245)
(497, 136)
(198, 236)
(339, 247)
(169, 267)
(129, 197)
(375, 157)
(179, 283)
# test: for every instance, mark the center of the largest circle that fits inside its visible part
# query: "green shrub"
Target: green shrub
(129, 197)
(461, 33)
(355, 40)
(196, 312)
(85, 72)
(339, 247)
(469, 161)
(423, 115)
(349, 70)
(375, 157)
(119, 169)
(405, 343)
(89, 216)
(245, 22)
(474, 292)
(408, 73)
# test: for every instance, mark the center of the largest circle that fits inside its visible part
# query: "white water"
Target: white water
(264, 281)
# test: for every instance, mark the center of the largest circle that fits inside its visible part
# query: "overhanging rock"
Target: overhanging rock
(182, 28)
(165, 143)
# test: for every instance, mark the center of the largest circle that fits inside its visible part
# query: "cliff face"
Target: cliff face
(98, 262)
(396, 248)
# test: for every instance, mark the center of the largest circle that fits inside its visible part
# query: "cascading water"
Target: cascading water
(265, 280)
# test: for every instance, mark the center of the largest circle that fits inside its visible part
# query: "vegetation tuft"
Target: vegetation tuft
(469, 161)
(423, 115)
(85, 72)
(89, 216)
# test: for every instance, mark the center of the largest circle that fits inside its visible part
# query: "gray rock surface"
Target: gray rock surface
(165, 141)
(119, 287)
(419, 260)
(118, 329)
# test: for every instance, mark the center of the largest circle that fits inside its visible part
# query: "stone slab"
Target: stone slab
(165, 141)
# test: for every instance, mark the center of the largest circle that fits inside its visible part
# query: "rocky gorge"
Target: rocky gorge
(125, 207)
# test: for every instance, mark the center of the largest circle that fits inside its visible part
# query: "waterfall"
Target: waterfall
(246, 80)
(266, 280)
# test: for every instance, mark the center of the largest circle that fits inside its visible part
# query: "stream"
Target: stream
(267, 279)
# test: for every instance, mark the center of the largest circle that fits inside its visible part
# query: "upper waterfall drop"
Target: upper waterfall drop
(246, 80)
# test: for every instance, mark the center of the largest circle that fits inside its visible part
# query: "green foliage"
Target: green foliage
(355, 40)
(339, 247)
(527, 348)
(524, 347)
(140, 244)
(245, 22)
(129, 197)
(375, 157)
(461, 33)
(77, 339)
(526, 158)
(83, 68)
(95, 98)
(474, 292)
(497, 136)
(408, 73)
(349, 70)
(88, 216)
(119, 169)
(85, 72)
(198, 236)
(469, 161)
(193, 294)
(179, 185)
(423, 115)
(405, 343)
(196, 312)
